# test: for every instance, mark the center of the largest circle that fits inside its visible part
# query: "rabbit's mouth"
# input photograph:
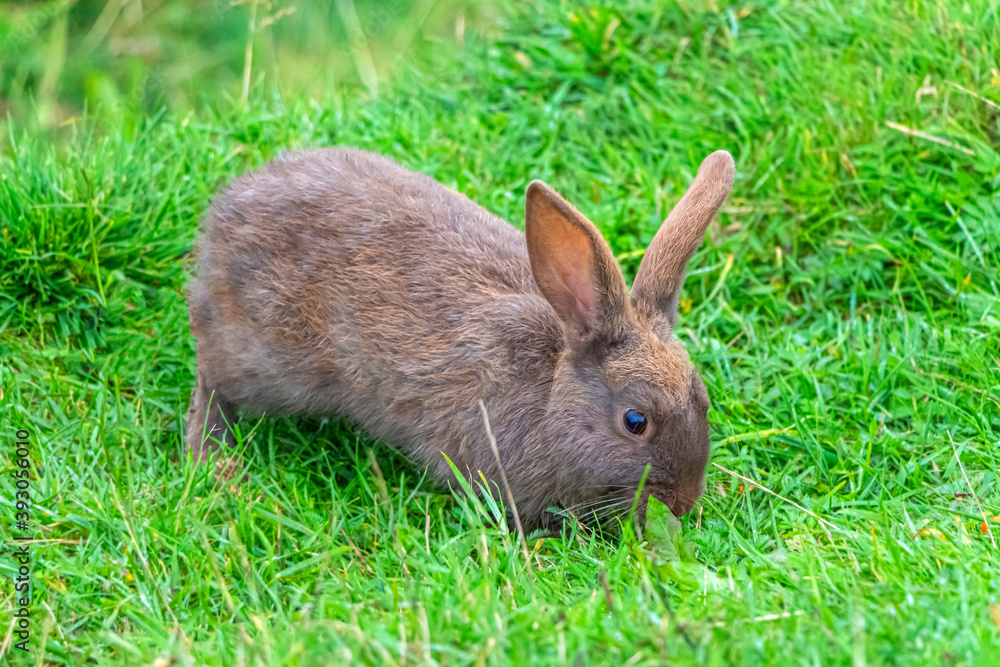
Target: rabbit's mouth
(616, 503)
(609, 505)
(680, 498)
(678, 503)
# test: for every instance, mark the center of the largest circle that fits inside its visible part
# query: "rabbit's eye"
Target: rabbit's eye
(635, 421)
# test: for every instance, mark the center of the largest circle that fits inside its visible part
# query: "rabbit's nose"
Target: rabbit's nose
(678, 502)
(680, 506)
(670, 500)
(682, 497)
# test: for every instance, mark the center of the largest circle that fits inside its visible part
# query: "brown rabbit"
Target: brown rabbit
(334, 281)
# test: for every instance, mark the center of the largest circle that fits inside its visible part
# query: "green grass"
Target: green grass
(844, 312)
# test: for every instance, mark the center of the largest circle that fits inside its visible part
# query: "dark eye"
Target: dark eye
(635, 421)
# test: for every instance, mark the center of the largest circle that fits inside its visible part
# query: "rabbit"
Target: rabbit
(335, 282)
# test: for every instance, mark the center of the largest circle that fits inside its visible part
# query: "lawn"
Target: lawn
(844, 313)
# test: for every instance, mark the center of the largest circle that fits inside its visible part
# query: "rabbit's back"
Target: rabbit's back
(334, 280)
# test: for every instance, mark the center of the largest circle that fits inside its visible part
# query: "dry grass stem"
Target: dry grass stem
(506, 486)
(929, 137)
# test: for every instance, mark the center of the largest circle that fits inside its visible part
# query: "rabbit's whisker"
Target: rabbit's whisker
(588, 505)
(608, 506)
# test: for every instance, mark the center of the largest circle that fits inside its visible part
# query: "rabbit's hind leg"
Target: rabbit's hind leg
(208, 421)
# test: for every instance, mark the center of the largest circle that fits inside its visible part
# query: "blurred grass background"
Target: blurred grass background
(843, 312)
(131, 58)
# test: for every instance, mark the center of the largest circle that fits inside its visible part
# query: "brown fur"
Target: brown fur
(336, 282)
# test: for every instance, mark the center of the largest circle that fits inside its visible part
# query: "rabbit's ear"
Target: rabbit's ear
(661, 271)
(572, 264)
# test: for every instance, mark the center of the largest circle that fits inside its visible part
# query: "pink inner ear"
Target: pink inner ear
(582, 291)
(571, 258)
(563, 258)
